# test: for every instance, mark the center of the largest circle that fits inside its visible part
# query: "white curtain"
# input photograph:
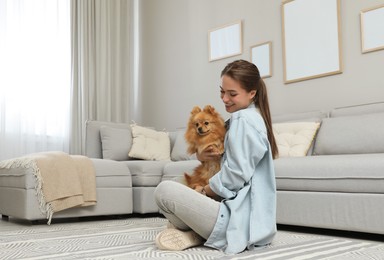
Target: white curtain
(101, 64)
(34, 76)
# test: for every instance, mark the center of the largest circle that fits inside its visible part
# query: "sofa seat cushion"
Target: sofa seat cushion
(356, 173)
(176, 169)
(146, 173)
(112, 174)
(108, 174)
(17, 178)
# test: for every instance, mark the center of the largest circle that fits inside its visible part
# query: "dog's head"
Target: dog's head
(205, 121)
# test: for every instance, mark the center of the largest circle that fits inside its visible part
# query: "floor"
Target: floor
(130, 236)
(14, 224)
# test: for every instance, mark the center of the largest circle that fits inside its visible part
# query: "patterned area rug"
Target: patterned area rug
(133, 238)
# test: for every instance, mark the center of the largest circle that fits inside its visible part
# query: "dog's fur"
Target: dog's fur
(206, 128)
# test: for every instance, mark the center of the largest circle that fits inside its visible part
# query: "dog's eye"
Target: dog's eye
(206, 123)
(197, 124)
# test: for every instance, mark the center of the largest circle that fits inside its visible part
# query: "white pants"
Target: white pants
(186, 208)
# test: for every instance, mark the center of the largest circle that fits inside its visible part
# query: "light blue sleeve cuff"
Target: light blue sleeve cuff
(217, 187)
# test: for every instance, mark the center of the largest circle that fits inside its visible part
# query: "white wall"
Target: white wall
(176, 74)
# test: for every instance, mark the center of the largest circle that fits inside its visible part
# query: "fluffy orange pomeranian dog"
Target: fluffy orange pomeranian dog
(206, 128)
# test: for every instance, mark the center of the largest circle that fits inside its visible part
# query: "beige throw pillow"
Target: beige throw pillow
(149, 144)
(294, 139)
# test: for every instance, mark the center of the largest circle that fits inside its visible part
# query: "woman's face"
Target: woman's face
(233, 95)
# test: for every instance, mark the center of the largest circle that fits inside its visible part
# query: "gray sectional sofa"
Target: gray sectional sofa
(339, 184)
(112, 141)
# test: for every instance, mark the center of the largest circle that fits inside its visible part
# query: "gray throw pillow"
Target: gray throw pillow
(116, 143)
(351, 135)
(179, 151)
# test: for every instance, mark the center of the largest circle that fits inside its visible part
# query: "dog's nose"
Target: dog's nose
(200, 129)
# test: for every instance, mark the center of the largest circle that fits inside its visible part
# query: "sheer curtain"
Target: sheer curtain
(35, 76)
(101, 64)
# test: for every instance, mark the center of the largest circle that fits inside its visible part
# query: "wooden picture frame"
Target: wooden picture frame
(311, 39)
(225, 41)
(261, 56)
(372, 29)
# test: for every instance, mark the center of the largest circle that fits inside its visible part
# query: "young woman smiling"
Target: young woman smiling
(236, 210)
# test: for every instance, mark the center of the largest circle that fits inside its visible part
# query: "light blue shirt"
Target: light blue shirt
(246, 182)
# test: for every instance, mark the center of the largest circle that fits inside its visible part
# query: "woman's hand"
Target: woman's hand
(209, 154)
(207, 191)
(210, 193)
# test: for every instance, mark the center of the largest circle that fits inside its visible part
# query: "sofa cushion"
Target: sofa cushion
(179, 150)
(172, 138)
(116, 143)
(149, 144)
(146, 173)
(93, 147)
(358, 110)
(112, 174)
(174, 170)
(294, 139)
(351, 135)
(18, 177)
(356, 173)
(108, 174)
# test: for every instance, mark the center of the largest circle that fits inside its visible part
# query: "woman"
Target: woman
(236, 210)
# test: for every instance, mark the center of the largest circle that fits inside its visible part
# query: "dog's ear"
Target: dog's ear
(209, 109)
(195, 110)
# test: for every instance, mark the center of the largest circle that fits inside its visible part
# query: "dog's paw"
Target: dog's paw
(219, 150)
(199, 188)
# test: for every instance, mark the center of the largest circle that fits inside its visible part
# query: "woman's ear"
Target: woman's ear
(252, 94)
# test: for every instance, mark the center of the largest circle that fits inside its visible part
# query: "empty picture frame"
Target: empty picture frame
(261, 56)
(372, 29)
(225, 41)
(311, 39)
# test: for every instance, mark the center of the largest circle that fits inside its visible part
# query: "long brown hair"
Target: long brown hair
(248, 75)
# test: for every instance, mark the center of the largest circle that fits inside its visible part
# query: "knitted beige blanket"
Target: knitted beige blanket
(62, 181)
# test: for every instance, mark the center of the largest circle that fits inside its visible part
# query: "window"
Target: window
(35, 73)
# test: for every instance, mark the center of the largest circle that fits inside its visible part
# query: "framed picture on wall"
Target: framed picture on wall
(311, 39)
(261, 56)
(372, 29)
(225, 41)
